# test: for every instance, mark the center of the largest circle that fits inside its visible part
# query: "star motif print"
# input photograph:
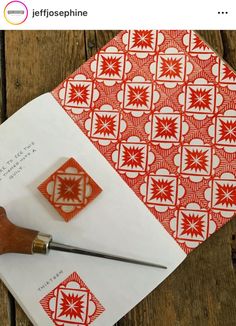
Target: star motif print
(72, 303)
(196, 161)
(161, 190)
(227, 131)
(166, 128)
(72, 306)
(192, 225)
(110, 66)
(228, 74)
(105, 125)
(226, 194)
(161, 112)
(69, 189)
(199, 44)
(142, 39)
(138, 96)
(78, 94)
(132, 157)
(200, 99)
(171, 67)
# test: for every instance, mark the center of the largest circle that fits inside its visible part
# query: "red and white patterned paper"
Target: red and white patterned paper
(72, 303)
(160, 107)
(69, 189)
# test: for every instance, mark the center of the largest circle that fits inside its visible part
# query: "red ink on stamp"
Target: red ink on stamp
(69, 189)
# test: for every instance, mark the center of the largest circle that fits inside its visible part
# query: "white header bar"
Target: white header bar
(119, 14)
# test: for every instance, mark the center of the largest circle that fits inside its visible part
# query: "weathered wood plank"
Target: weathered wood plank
(21, 319)
(104, 36)
(90, 43)
(36, 62)
(97, 39)
(5, 311)
(229, 42)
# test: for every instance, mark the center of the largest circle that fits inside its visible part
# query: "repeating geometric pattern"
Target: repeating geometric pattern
(160, 107)
(72, 303)
(69, 189)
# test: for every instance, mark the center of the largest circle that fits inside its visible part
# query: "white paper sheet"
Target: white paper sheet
(116, 221)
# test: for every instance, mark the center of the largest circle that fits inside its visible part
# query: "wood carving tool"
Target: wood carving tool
(15, 239)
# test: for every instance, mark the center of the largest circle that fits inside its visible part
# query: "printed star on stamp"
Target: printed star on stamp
(69, 189)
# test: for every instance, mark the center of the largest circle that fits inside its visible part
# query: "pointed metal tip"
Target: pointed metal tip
(63, 247)
(148, 264)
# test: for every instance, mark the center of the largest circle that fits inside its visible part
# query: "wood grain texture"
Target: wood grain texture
(36, 62)
(229, 39)
(202, 291)
(102, 37)
(20, 318)
(5, 310)
(90, 43)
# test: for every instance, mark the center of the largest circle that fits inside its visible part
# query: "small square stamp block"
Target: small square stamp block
(69, 189)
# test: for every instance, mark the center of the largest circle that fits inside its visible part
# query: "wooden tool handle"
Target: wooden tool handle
(14, 239)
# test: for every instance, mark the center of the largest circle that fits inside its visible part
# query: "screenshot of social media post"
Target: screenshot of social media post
(117, 163)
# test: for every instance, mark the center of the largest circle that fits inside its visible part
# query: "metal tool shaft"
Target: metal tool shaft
(62, 247)
(15, 239)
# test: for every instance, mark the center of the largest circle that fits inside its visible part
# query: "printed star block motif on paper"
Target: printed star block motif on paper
(192, 225)
(138, 96)
(200, 99)
(227, 75)
(196, 160)
(110, 66)
(226, 130)
(105, 125)
(72, 303)
(224, 194)
(155, 101)
(166, 128)
(69, 189)
(78, 94)
(142, 41)
(132, 157)
(197, 45)
(162, 190)
(171, 67)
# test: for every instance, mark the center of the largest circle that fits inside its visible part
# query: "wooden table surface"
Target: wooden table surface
(202, 291)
